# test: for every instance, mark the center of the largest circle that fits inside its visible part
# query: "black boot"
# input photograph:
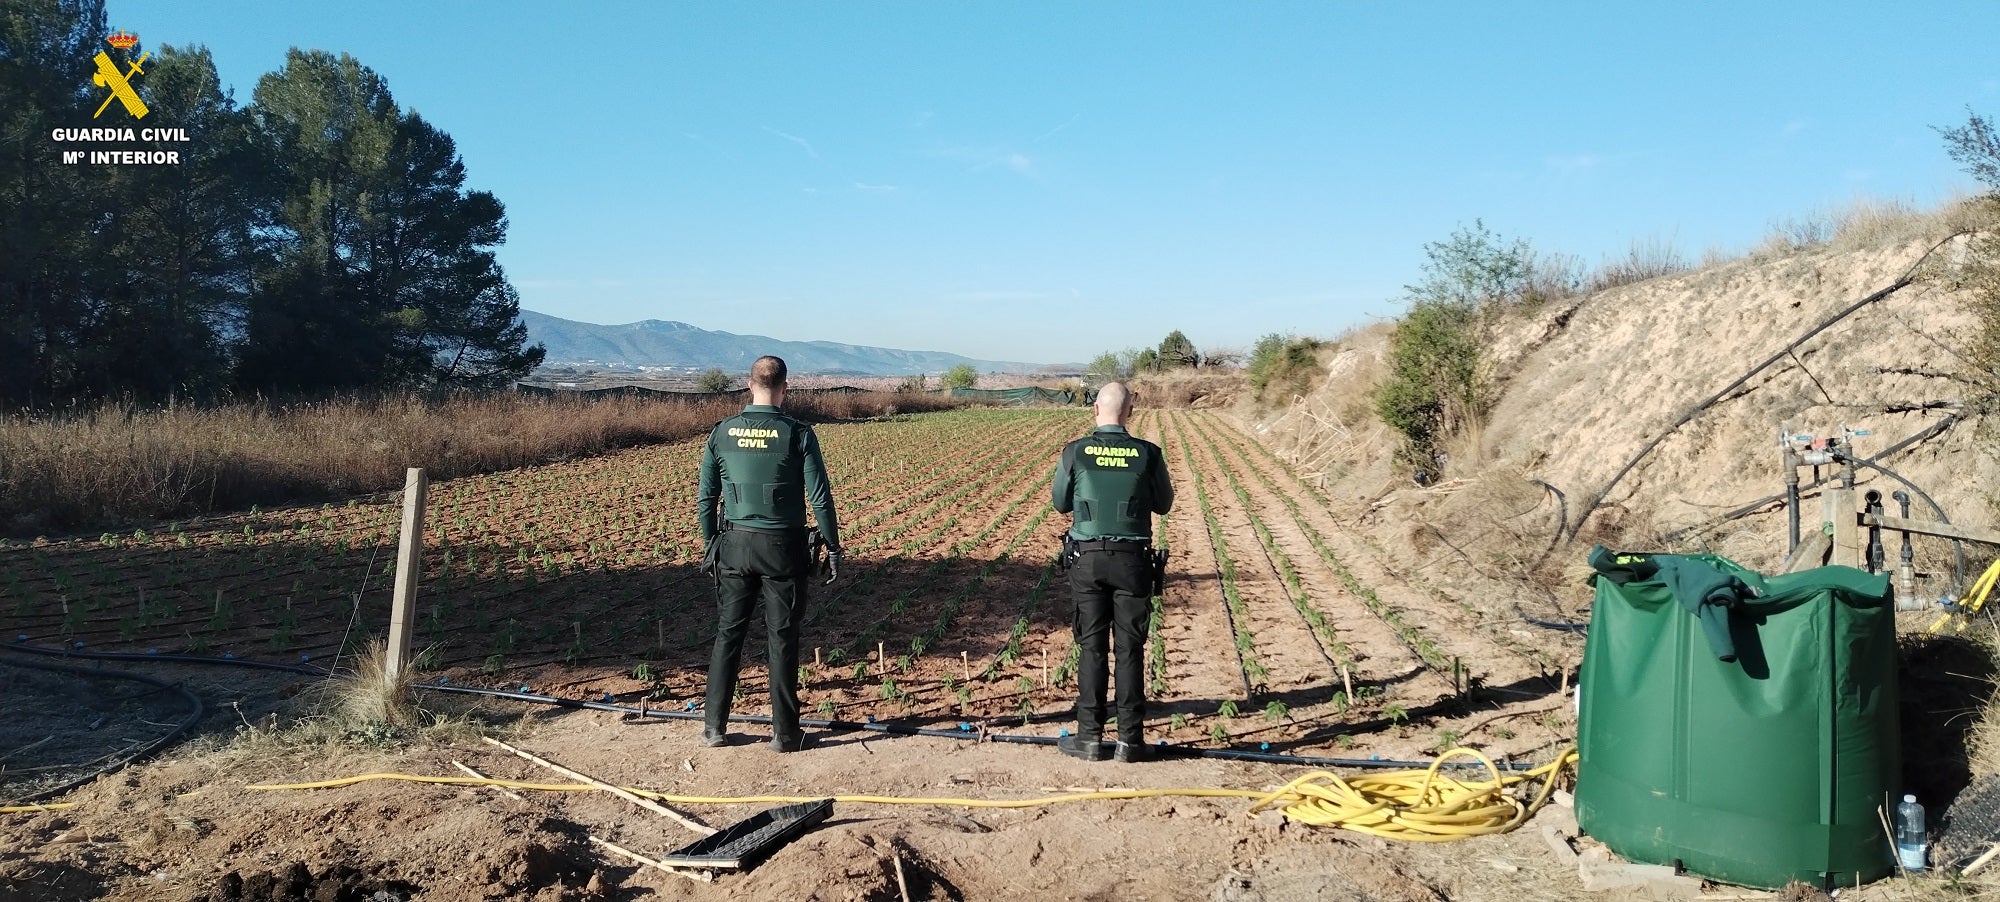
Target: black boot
(1133, 752)
(714, 738)
(1079, 747)
(788, 742)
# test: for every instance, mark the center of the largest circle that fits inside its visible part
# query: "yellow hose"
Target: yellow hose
(1969, 603)
(1413, 805)
(29, 809)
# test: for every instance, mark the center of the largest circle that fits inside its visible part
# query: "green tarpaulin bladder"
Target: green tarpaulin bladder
(1758, 770)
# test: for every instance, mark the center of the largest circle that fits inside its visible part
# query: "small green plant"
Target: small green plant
(1340, 703)
(1027, 710)
(860, 671)
(1226, 709)
(1177, 721)
(1504, 733)
(1344, 741)
(826, 708)
(964, 694)
(1219, 734)
(888, 689)
(643, 673)
(494, 664)
(1275, 711)
(1396, 714)
(1025, 684)
(1448, 740)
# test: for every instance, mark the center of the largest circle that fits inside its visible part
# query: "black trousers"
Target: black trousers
(1113, 595)
(751, 566)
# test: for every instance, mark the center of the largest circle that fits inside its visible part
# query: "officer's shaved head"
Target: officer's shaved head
(1114, 404)
(768, 372)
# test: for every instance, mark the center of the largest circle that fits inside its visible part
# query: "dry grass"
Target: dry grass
(98, 466)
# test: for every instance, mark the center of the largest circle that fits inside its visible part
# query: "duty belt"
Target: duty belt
(1112, 544)
(731, 526)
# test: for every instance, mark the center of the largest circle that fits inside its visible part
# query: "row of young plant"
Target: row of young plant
(1338, 655)
(693, 631)
(1538, 656)
(1410, 635)
(1253, 670)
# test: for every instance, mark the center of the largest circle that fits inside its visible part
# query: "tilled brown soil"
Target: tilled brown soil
(969, 554)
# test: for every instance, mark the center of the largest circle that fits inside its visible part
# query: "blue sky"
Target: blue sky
(1039, 181)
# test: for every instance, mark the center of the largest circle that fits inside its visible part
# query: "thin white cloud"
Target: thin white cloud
(1051, 132)
(795, 139)
(878, 189)
(983, 158)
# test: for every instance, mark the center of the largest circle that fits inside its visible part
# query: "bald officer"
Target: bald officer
(765, 469)
(1111, 484)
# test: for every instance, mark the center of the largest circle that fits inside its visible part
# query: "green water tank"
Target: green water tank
(1758, 770)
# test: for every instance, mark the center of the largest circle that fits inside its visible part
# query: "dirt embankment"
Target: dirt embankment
(1580, 387)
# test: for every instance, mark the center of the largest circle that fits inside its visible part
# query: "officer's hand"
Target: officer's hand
(707, 566)
(832, 567)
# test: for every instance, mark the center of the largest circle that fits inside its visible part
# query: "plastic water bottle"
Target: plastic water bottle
(1910, 846)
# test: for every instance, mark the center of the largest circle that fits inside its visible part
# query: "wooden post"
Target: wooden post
(1347, 680)
(1846, 522)
(965, 664)
(409, 566)
(882, 657)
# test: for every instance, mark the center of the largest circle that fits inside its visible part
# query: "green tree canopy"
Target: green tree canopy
(712, 379)
(1176, 352)
(319, 239)
(960, 376)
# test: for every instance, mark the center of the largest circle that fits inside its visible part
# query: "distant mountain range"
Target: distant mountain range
(661, 343)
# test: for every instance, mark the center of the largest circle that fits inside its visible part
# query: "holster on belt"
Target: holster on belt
(1159, 562)
(1068, 554)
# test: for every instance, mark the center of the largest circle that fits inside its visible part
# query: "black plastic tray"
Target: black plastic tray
(750, 840)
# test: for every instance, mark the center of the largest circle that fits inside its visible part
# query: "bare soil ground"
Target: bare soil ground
(952, 544)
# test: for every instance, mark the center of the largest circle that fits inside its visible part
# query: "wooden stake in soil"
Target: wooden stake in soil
(882, 656)
(1045, 665)
(409, 566)
(1347, 681)
(816, 656)
(902, 886)
(965, 664)
(696, 876)
(647, 804)
(499, 789)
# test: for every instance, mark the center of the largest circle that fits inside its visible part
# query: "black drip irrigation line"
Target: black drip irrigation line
(1907, 279)
(963, 734)
(195, 712)
(21, 645)
(970, 734)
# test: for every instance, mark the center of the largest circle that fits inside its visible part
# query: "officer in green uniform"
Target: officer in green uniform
(764, 468)
(1112, 484)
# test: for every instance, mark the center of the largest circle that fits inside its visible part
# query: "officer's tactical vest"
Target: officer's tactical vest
(760, 469)
(1113, 496)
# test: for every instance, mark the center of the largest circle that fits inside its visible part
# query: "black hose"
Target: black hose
(834, 725)
(1957, 547)
(195, 712)
(1903, 282)
(21, 646)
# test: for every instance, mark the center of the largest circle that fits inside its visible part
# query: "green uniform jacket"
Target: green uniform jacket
(1112, 484)
(764, 468)
(1704, 589)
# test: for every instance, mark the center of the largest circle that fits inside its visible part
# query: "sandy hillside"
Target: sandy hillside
(1584, 384)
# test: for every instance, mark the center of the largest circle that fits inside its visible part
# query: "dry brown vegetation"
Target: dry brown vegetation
(93, 467)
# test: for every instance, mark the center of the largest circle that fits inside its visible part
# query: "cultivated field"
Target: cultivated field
(586, 570)
(1281, 631)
